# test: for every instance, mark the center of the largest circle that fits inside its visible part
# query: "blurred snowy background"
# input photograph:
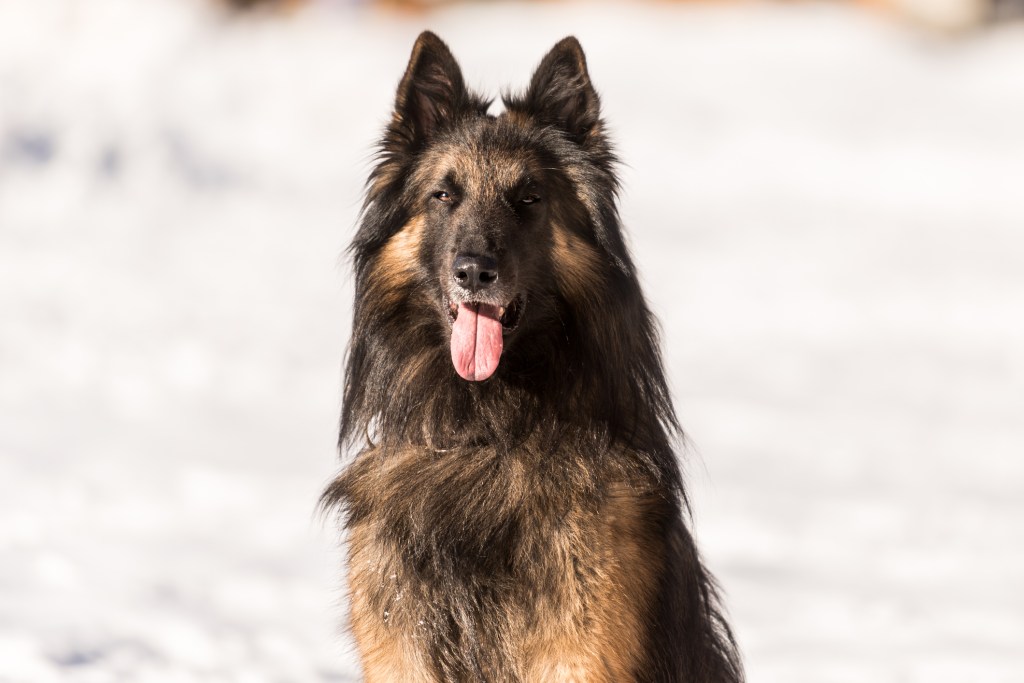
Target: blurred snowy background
(827, 207)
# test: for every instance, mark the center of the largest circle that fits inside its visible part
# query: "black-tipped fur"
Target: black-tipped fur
(472, 505)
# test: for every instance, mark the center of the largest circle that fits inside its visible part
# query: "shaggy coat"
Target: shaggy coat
(514, 508)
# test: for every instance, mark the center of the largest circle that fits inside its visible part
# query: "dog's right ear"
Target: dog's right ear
(432, 92)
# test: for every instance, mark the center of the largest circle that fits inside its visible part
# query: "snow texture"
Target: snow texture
(827, 210)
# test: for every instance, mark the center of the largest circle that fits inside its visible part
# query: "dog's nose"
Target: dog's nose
(474, 272)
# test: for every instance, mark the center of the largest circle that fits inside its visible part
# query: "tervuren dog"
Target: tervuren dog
(515, 511)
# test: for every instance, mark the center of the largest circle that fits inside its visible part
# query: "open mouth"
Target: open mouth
(509, 315)
(478, 331)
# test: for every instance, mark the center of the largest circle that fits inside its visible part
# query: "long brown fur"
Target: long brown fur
(529, 526)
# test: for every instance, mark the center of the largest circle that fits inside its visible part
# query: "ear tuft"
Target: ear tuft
(432, 91)
(560, 92)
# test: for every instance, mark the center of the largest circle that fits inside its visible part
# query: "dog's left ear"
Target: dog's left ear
(560, 92)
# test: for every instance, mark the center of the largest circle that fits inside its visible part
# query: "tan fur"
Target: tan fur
(397, 262)
(579, 265)
(388, 653)
(594, 632)
(381, 624)
(485, 176)
(518, 118)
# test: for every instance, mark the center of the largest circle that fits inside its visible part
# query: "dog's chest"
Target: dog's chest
(478, 516)
(486, 563)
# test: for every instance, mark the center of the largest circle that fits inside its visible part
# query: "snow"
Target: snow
(828, 215)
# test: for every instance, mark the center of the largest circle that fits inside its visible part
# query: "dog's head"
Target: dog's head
(501, 219)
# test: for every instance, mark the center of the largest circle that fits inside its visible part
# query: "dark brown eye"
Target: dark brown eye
(529, 199)
(442, 196)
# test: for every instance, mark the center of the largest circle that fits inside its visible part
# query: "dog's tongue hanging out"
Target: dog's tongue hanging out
(476, 341)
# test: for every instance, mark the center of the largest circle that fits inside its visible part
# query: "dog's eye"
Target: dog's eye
(529, 199)
(442, 196)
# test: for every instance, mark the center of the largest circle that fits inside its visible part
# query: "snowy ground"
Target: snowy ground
(828, 212)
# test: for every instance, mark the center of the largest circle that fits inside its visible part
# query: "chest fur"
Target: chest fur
(498, 567)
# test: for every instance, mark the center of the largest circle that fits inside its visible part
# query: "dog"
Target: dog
(514, 509)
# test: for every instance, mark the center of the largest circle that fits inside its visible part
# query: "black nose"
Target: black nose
(474, 272)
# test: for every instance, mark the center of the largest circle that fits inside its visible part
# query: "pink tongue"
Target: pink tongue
(476, 341)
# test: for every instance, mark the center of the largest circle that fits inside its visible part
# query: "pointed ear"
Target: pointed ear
(560, 92)
(432, 91)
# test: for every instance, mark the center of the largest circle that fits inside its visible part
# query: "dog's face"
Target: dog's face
(500, 215)
(486, 238)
